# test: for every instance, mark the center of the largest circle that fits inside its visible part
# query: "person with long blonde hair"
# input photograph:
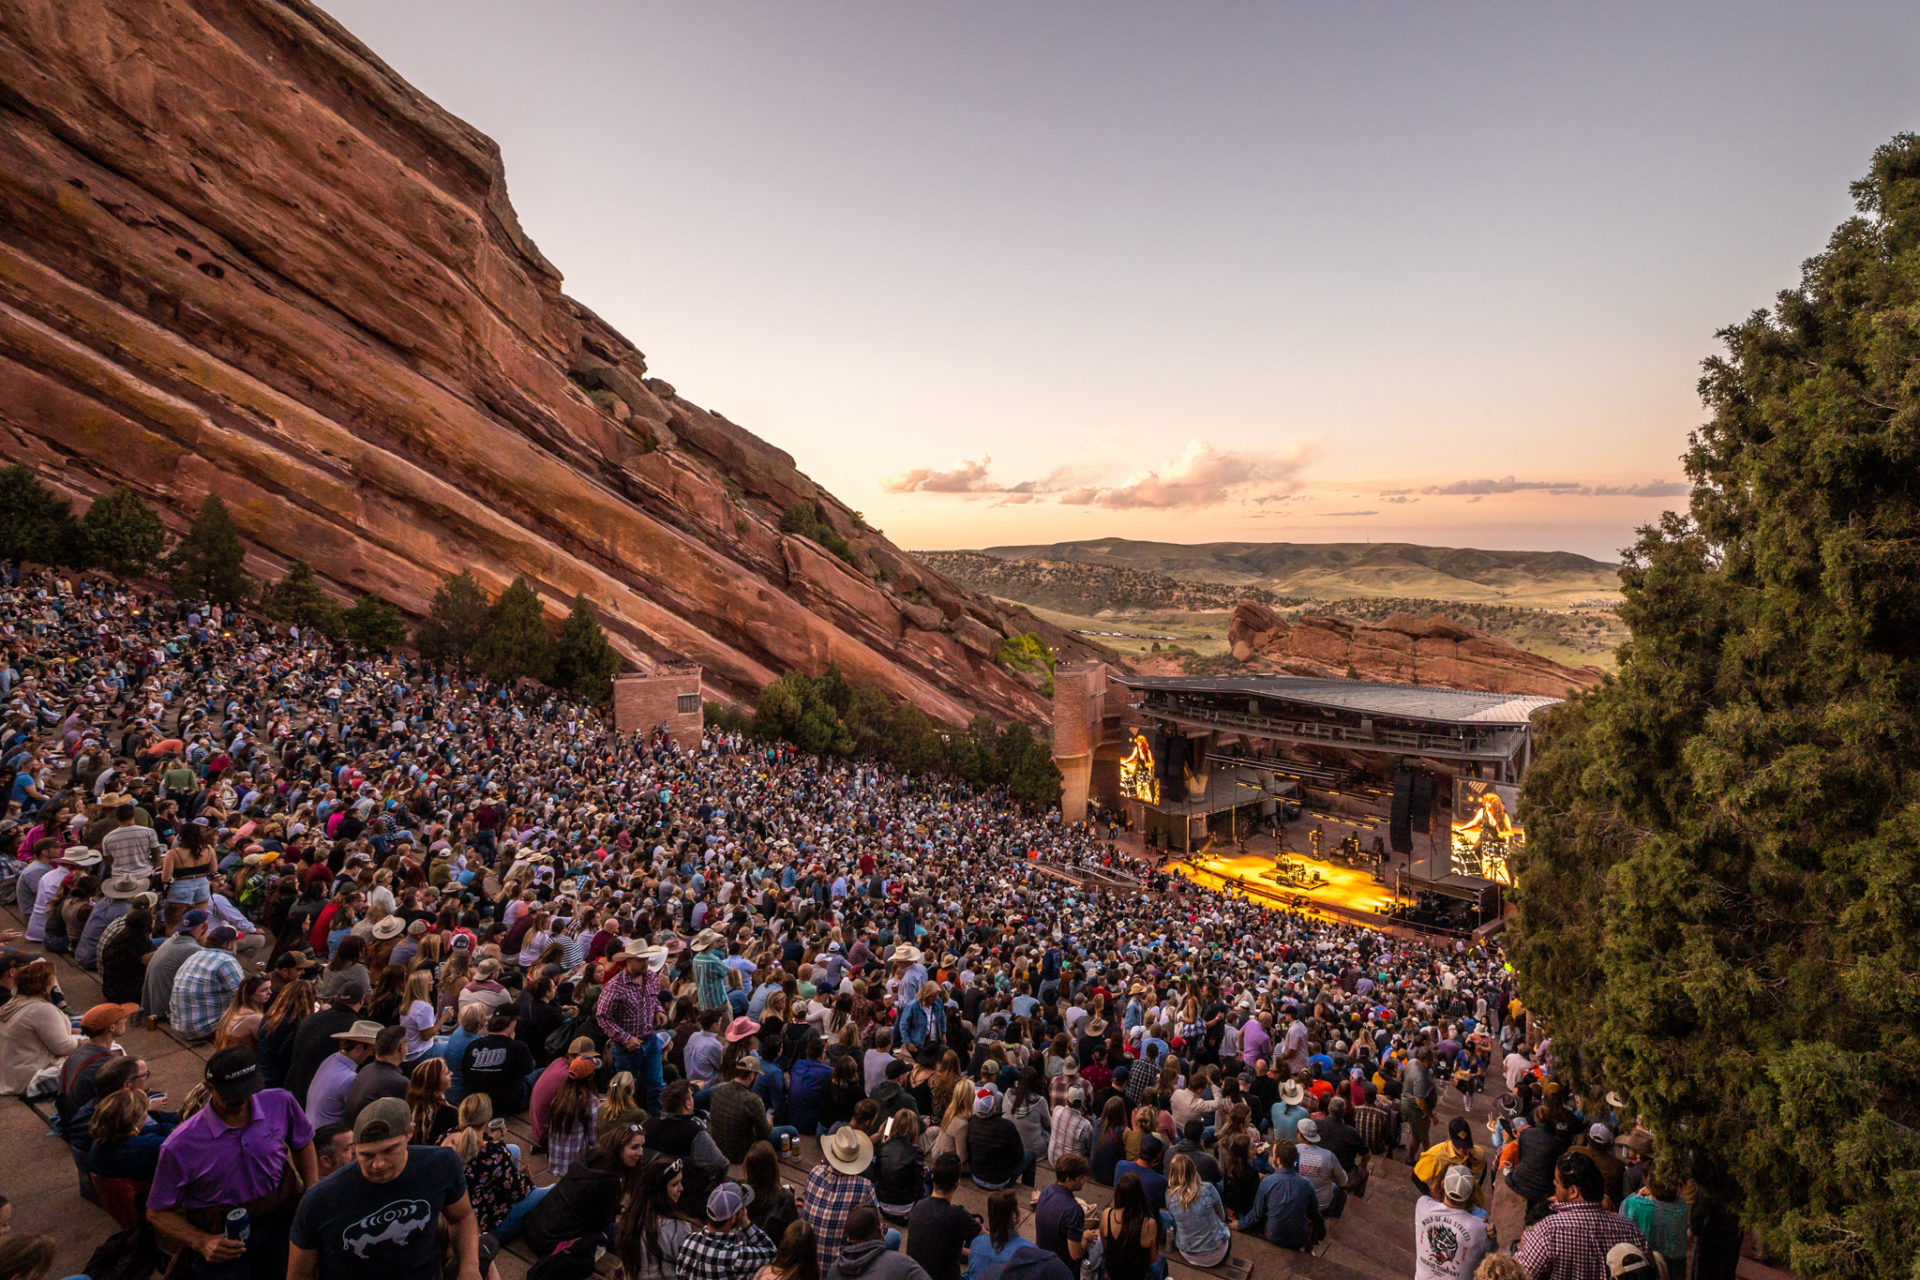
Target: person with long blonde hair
(1199, 1218)
(951, 1133)
(417, 1014)
(501, 1192)
(620, 1106)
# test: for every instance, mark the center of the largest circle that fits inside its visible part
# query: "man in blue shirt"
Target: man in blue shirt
(1152, 1181)
(1285, 1209)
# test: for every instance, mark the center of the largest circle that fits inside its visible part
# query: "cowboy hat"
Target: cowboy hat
(390, 927)
(740, 1028)
(848, 1150)
(1291, 1093)
(905, 955)
(125, 888)
(81, 856)
(361, 1032)
(706, 940)
(656, 957)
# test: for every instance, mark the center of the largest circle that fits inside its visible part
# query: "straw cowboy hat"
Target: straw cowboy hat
(1291, 1093)
(848, 1150)
(389, 928)
(906, 955)
(706, 940)
(656, 957)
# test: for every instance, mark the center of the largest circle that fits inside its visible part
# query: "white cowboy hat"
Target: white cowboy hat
(848, 1150)
(906, 955)
(656, 957)
(1291, 1093)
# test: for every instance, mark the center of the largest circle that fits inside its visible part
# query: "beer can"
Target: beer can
(239, 1226)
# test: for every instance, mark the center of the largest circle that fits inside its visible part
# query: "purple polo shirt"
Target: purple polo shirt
(206, 1162)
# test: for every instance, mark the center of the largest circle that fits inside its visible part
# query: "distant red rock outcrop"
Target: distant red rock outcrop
(239, 254)
(1400, 649)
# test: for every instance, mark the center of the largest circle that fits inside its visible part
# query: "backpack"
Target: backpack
(126, 1255)
(563, 1036)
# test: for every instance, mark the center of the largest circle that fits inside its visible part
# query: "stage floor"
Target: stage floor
(1348, 893)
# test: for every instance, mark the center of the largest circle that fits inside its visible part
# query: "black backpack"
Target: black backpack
(126, 1255)
(571, 1261)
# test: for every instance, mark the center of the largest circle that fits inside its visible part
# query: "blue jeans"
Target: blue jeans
(509, 1227)
(647, 1065)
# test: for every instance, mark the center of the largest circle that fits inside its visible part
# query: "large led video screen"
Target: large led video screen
(1487, 837)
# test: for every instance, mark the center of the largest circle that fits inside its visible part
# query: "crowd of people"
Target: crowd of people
(402, 908)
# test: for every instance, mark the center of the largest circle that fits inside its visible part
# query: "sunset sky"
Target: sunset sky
(1022, 272)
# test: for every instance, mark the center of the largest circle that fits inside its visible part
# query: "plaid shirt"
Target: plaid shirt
(829, 1198)
(728, 1255)
(736, 1119)
(566, 1147)
(1571, 1242)
(202, 990)
(1072, 1132)
(1058, 1086)
(629, 1008)
(1379, 1128)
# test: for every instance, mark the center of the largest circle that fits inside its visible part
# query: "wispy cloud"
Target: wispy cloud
(1203, 476)
(1331, 514)
(1484, 486)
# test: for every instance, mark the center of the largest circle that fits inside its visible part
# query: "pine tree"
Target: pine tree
(1027, 763)
(211, 560)
(122, 534)
(457, 619)
(35, 524)
(300, 599)
(584, 660)
(374, 623)
(516, 644)
(1719, 906)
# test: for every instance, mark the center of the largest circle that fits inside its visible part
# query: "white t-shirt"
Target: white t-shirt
(1448, 1243)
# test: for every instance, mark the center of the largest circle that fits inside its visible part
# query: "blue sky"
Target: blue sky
(1017, 272)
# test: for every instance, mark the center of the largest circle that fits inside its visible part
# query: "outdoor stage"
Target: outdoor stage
(1349, 894)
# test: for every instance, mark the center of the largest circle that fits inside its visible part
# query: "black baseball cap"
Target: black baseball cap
(1460, 1131)
(234, 1074)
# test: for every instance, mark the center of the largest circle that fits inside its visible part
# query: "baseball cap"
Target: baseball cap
(383, 1119)
(234, 1074)
(1599, 1133)
(985, 1099)
(102, 1016)
(1307, 1131)
(1459, 1184)
(726, 1200)
(1460, 1131)
(582, 1068)
(350, 990)
(1624, 1260)
(190, 921)
(222, 936)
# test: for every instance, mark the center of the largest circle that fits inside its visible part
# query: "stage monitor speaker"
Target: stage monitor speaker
(1420, 812)
(1399, 830)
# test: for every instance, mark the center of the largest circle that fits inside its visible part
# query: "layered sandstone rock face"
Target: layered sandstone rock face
(239, 254)
(1401, 649)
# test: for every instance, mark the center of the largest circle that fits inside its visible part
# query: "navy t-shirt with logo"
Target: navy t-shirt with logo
(385, 1229)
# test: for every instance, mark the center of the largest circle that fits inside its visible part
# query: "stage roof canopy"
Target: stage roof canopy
(1411, 701)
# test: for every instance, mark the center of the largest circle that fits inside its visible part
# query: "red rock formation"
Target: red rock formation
(1401, 649)
(239, 254)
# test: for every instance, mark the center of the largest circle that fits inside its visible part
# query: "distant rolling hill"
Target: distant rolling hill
(1347, 570)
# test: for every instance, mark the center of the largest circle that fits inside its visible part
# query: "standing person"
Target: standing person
(1418, 1094)
(728, 1247)
(1449, 1239)
(249, 1148)
(1663, 1218)
(379, 1215)
(1571, 1242)
(628, 1012)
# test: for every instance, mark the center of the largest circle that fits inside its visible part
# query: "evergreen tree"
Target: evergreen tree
(913, 744)
(516, 644)
(1719, 907)
(122, 534)
(211, 561)
(457, 619)
(374, 623)
(584, 660)
(794, 709)
(974, 754)
(300, 599)
(35, 524)
(1027, 762)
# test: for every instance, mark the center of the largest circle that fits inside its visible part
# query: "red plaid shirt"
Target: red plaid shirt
(1571, 1242)
(629, 1008)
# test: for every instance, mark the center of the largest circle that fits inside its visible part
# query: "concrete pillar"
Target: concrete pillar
(669, 696)
(1079, 701)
